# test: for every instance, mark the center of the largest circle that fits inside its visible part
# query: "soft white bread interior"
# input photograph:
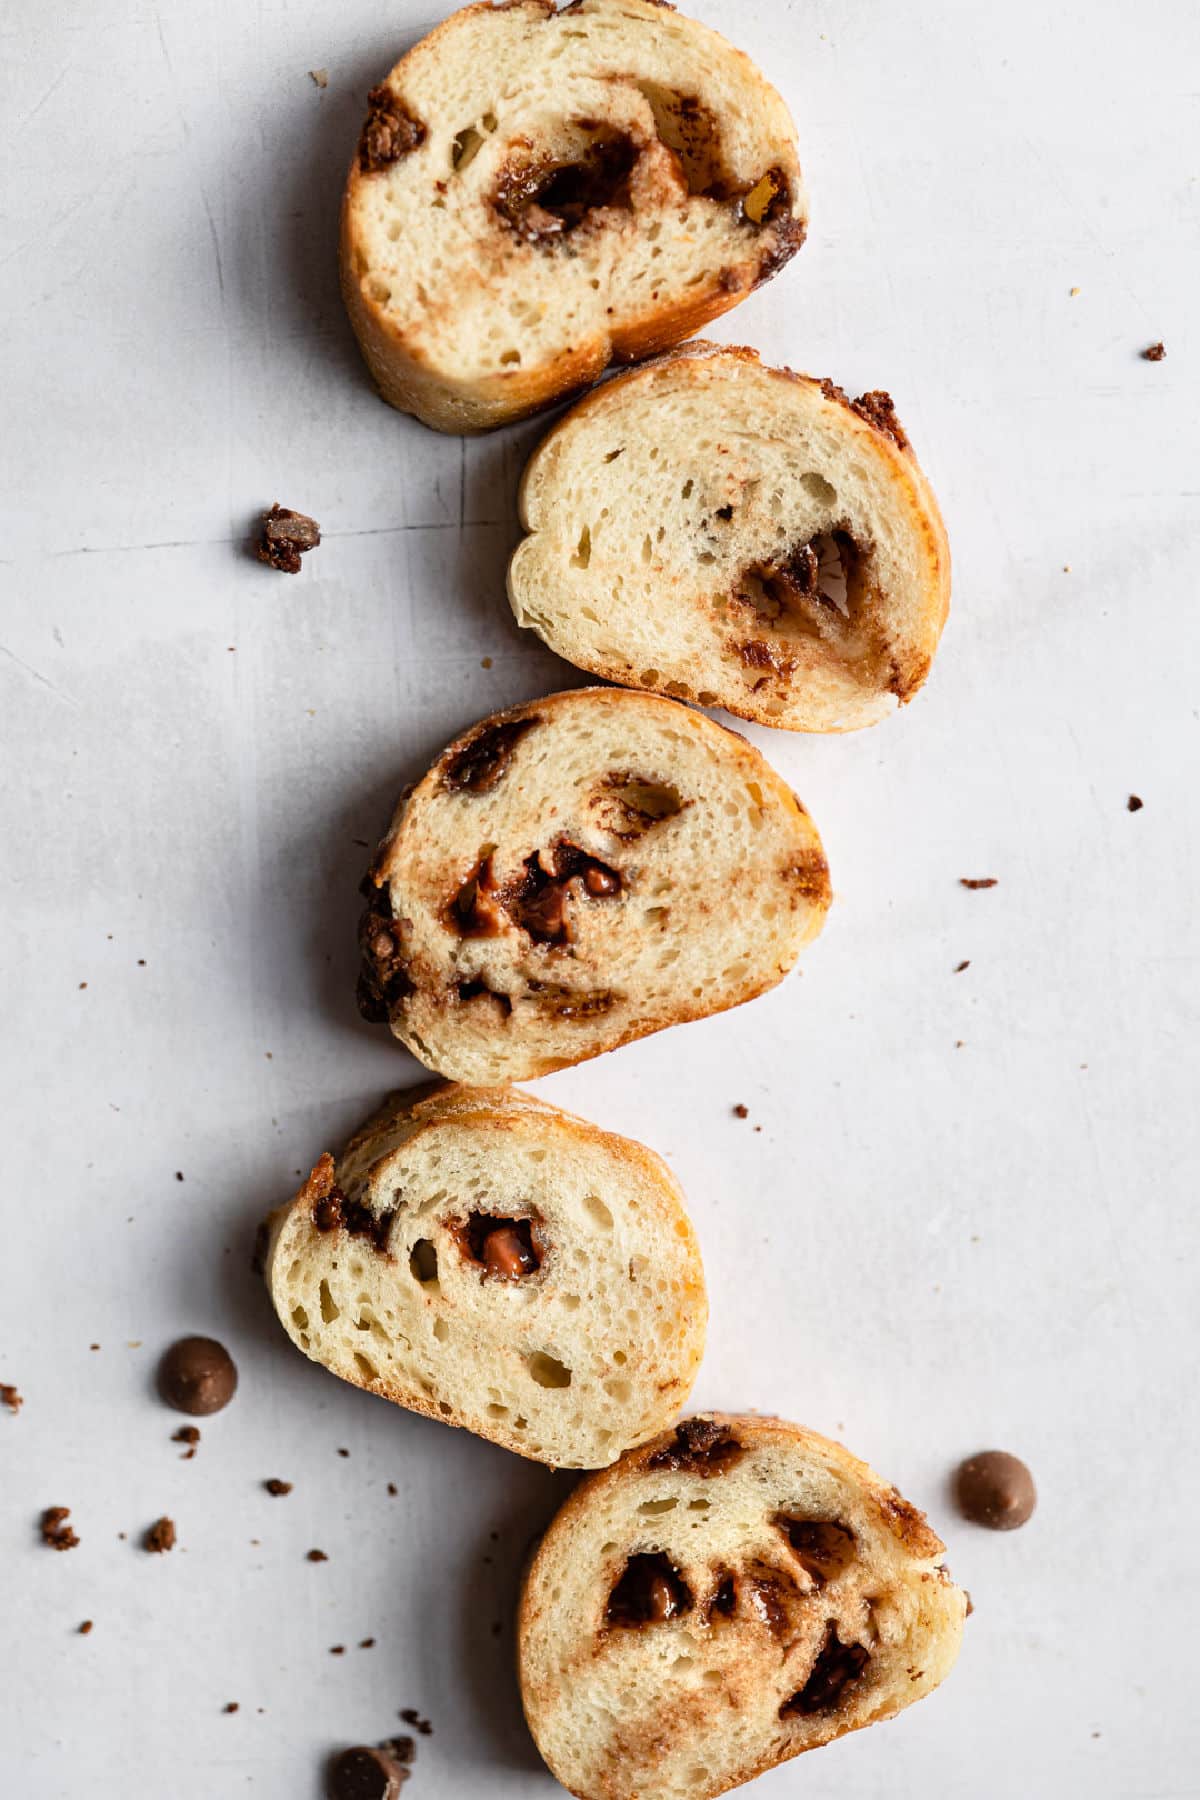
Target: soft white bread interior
(735, 1593)
(577, 872)
(737, 535)
(537, 193)
(491, 1261)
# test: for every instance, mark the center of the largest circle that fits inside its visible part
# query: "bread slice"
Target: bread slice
(488, 1260)
(537, 194)
(735, 1593)
(738, 535)
(580, 871)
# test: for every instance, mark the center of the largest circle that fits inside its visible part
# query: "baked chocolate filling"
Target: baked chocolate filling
(506, 1249)
(537, 901)
(701, 1447)
(837, 1665)
(823, 1548)
(383, 979)
(334, 1212)
(390, 131)
(650, 1591)
(483, 760)
(543, 201)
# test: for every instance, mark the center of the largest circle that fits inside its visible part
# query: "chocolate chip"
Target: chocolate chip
(160, 1536)
(275, 1486)
(996, 1490)
(508, 1254)
(197, 1375)
(1154, 352)
(286, 537)
(650, 1591)
(836, 1666)
(365, 1774)
(56, 1533)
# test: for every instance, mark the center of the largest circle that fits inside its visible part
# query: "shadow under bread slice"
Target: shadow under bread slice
(491, 1261)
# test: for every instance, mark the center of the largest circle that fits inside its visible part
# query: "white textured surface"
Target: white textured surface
(928, 1249)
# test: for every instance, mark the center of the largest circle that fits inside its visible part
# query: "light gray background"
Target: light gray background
(968, 1218)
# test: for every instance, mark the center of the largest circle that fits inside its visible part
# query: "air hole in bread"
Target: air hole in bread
(651, 1590)
(818, 489)
(496, 1411)
(570, 1302)
(510, 356)
(482, 761)
(598, 1213)
(366, 1366)
(330, 1310)
(628, 804)
(478, 989)
(619, 1390)
(544, 201)
(583, 550)
(837, 1665)
(465, 148)
(505, 1249)
(547, 1371)
(300, 1318)
(650, 1509)
(423, 1261)
(441, 1331)
(823, 1548)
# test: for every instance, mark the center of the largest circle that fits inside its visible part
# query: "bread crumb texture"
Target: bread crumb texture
(491, 1261)
(733, 1594)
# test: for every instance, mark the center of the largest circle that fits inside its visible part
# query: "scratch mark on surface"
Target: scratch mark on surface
(462, 482)
(212, 232)
(33, 674)
(52, 89)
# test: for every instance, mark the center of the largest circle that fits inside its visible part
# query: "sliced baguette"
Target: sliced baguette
(486, 1259)
(577, 872)
(738, 535)
(737, 1592)
(539, 193)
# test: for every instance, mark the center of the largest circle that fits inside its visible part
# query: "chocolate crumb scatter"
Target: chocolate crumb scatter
(337, 1649)
(179, 1174)
(9, 1397)
(741, 1111)
(366, 1643)
(286, 537)
(160, 1536)
(317, 1556)
(187, 1434)
(366, 1773)
(393, 1489)
(230, 1706)
(85, 1627)
(1154, 352)
(343, 1453)
(412, 1717)
(1134, 803)
(965, 964)
(56, 1533)
(978, 881)
(275, 1486)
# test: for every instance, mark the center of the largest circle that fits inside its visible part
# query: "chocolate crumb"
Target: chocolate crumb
(93, 1346)
(9, 1397)
(286, 537)
(412, 1717)
(275, 1486)
(1154, 352)
(965, 964)
(160, 1536)
(230, 1706)
(320, 77)
(317, 1556)
(741, 1111)
(363, 1773)
(978, 881)
(85, 1627)
(337, 1649)
(179, 1174)
(970, 1604)
(83, 984)
(401, 1748)
(393, 1489)
(56, 1533)
(1134, 803)
(343, 1453)
(366, 1643)
(187, 1434)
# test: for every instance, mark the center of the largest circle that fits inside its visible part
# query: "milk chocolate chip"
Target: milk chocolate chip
(650, 1591)
(507, 1248)
(197, 1375)
(996, 1490)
